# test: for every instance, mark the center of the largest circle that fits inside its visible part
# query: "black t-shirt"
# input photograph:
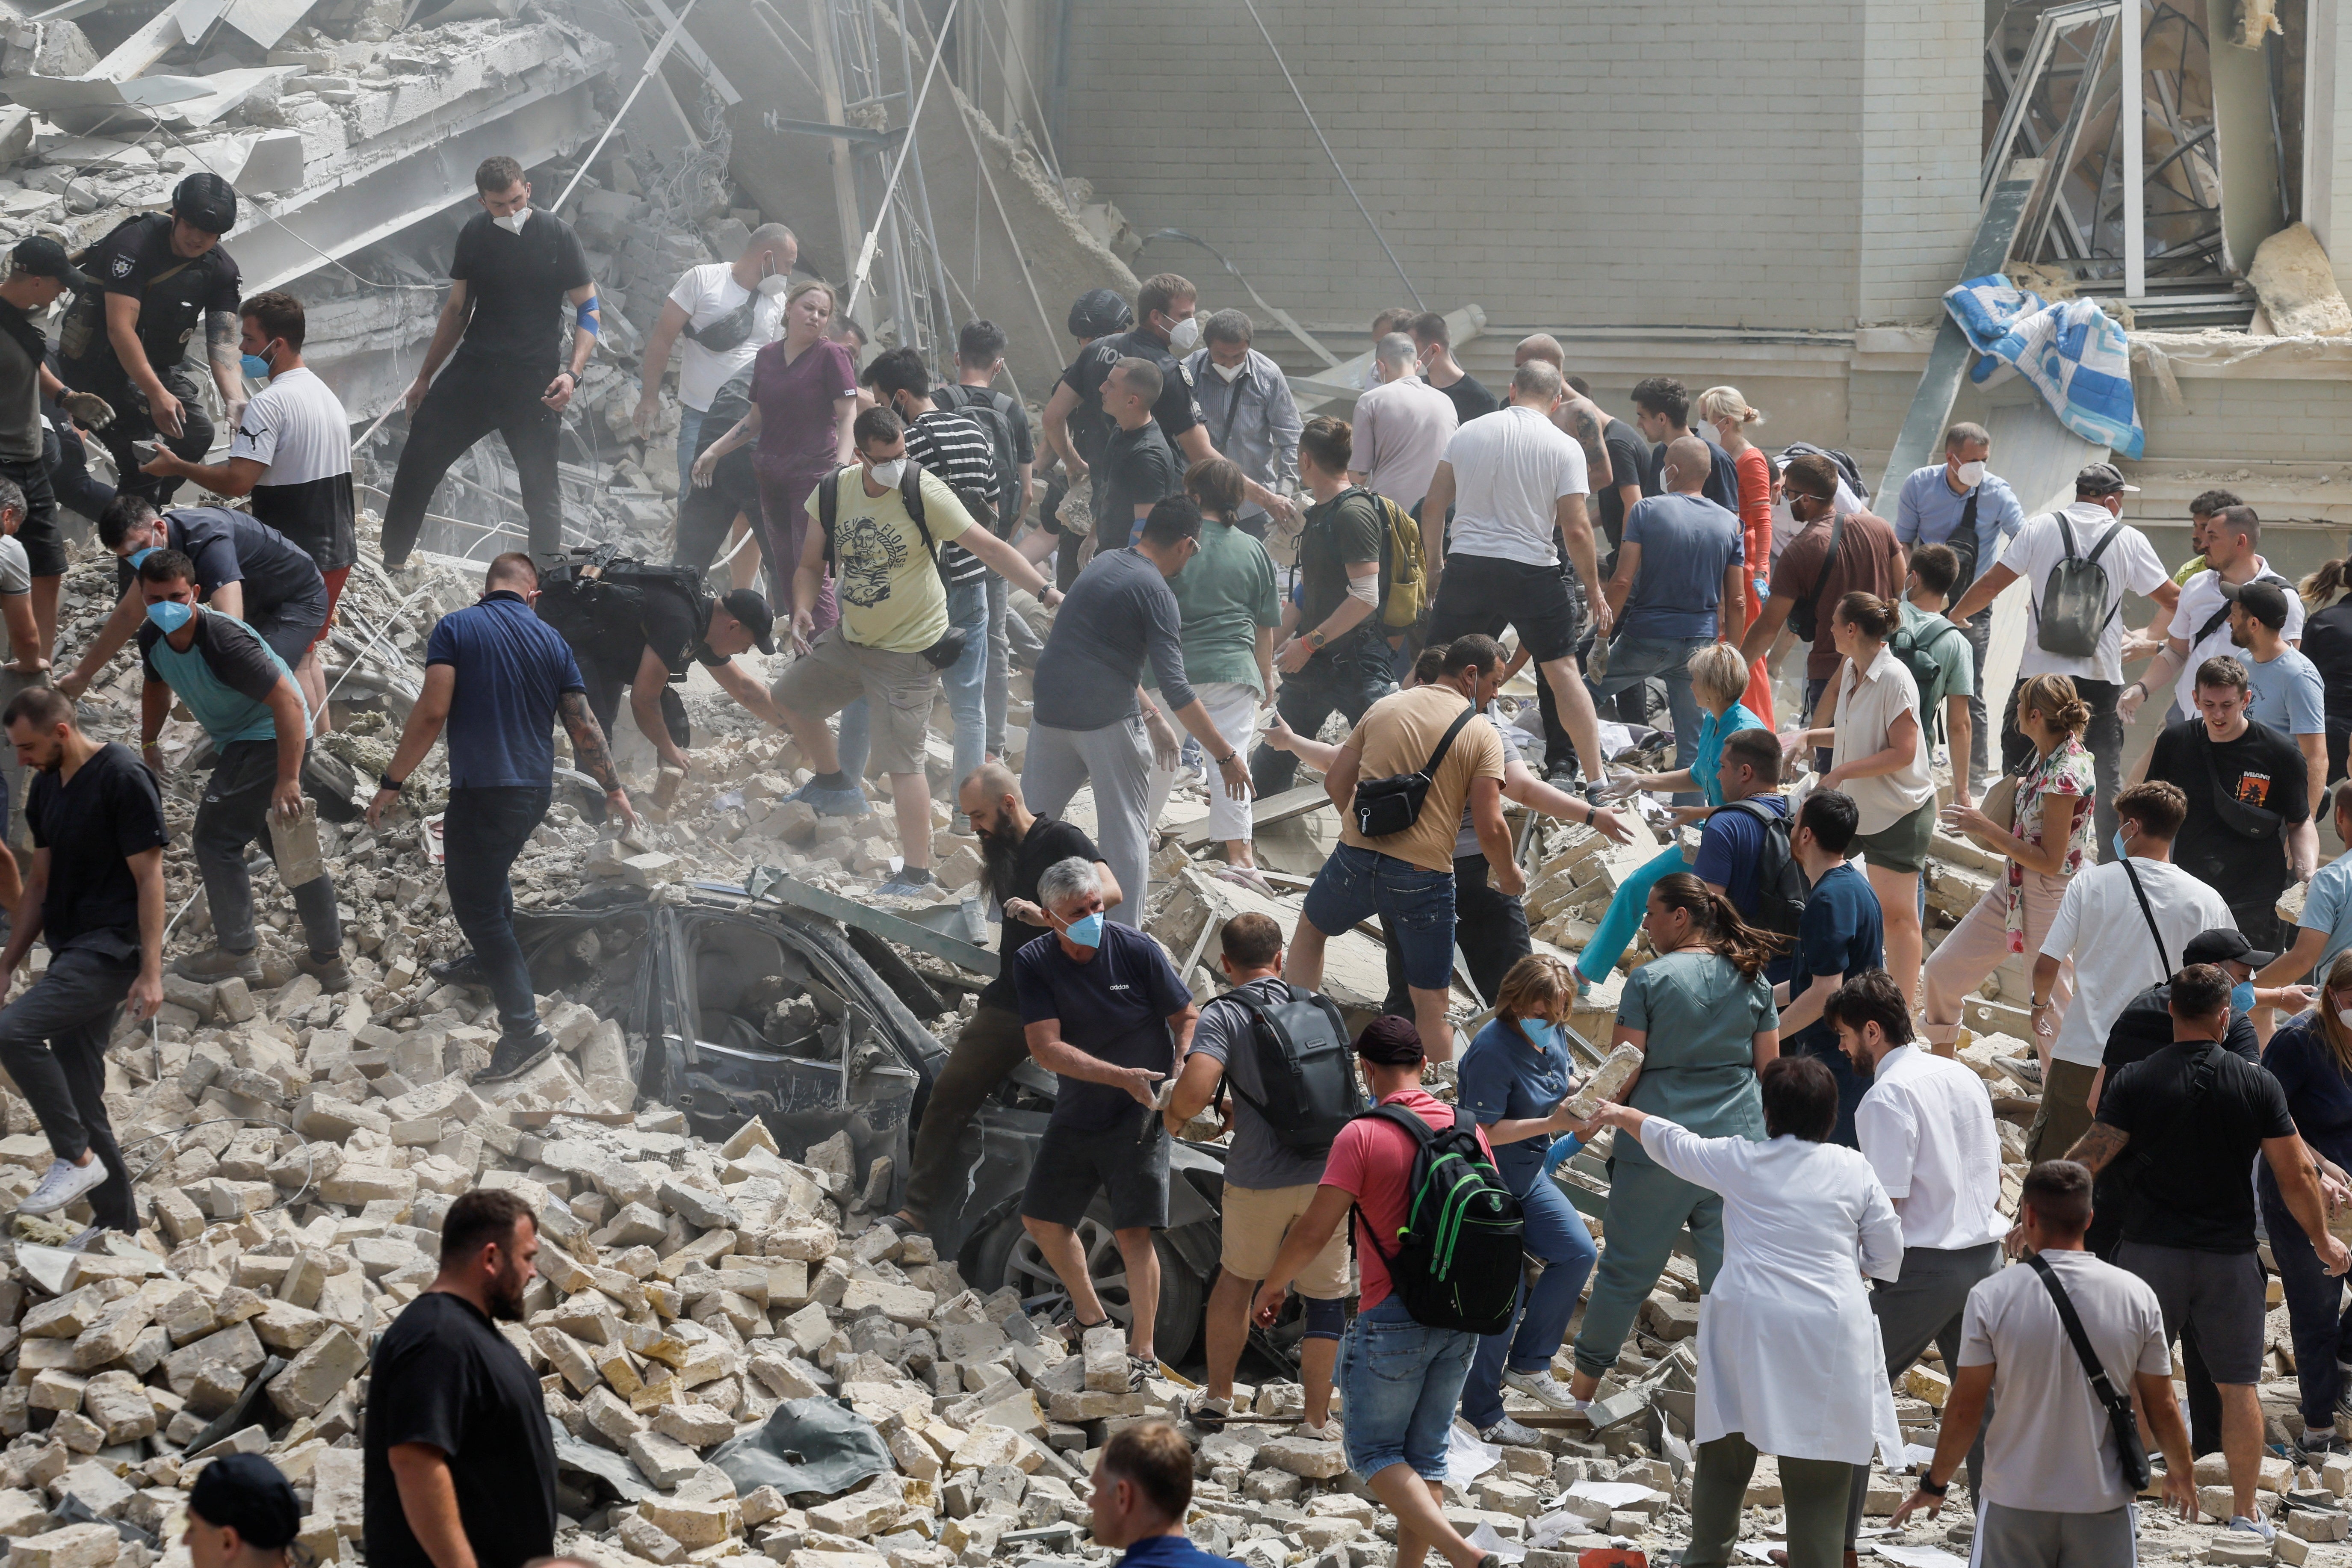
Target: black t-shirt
(2198, 1115)
(516, 284)
(1007, 424)
(1016, 877)
(1346, 531)
(1137, 470)
(175, 293)
(667, 621)
(2145, 1027)
(237, 547)
(1629, 464)
(1177, 410)
(90, 825)
(2261, 769)
(1471, 398)
(2328, 643)
(442, 1375)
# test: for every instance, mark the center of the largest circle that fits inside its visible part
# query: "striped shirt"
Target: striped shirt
(957, 449)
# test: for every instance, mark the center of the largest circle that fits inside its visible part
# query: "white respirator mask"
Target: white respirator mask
(1972, 474)
(512, 221)
(886, 474)
(1184, 336)
(1230, 371)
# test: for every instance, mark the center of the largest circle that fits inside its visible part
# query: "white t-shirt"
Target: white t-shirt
(2130, 562)
(15, 568)
(295, 428)
(1926, 1129)
(706, 293)
(2100, 926)
(1510, 468)
(2049, 1447)
(2200, 601)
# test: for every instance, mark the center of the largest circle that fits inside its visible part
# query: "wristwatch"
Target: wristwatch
(1927, 1485)
(1314, 639)
(385, 781)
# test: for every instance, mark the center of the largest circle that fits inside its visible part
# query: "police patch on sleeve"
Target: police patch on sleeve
(123, 265)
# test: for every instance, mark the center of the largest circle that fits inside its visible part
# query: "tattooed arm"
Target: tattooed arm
(589, 749)
(227, 362)
(2097, 1148)
(1583, 422)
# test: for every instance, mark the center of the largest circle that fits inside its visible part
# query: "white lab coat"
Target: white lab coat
(1789, 1352)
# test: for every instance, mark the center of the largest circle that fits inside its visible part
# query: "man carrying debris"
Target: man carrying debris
(243, 568)
(292, 454)
(881, 520)
(1016, 846)
(1113, 988)
(460, 1459)
(160, 275)
(726, 312)
(38, 272)
(250, 707)
(241, 1514)
(499, 676)
(96, 892)
(1143, 1490)
(514, 271)
(1406, 875)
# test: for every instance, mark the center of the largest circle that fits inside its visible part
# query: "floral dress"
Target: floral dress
(2065, 771)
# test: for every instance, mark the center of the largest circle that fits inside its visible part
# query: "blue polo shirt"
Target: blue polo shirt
(1115, 1007)
(1927, 512)
(512, 667)
(1843, 932)
(1172, 1551)
(1501, 1078)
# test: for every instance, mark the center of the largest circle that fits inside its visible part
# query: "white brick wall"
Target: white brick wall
(1690, 162)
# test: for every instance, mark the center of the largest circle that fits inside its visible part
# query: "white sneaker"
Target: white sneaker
(65, 1183)
(1326, 1433)
(1511, 1435)
(2263, 1528)
(1543, 1385)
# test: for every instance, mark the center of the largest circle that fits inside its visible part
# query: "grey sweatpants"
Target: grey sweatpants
(1923, 1306)
(235, 812)
(2036, 1538)
(1116, 759)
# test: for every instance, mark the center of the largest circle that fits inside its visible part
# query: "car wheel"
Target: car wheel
(1010, 1257)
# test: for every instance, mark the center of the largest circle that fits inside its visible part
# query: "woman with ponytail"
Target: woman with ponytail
(1701, 1014)
(2048, 840)
(2328, 643)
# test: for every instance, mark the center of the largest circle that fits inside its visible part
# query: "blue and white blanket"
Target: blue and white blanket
(2078, 358)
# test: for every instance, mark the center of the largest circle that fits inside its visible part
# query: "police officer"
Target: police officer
(160, 276)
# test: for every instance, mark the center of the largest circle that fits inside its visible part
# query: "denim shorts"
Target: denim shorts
(1415, 906)
(1400, 1383)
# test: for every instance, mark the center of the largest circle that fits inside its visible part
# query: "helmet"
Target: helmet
(1100, 312)
(206, 201)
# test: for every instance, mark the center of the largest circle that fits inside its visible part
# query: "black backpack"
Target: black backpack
(1846, 464)
(1781, 890)
(1459, 1259)
(2073, 612)
(1306, 1064)
(581, 591)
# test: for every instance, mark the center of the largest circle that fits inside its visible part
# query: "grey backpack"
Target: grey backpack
(2074, 607)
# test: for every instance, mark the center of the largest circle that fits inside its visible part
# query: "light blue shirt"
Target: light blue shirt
(2289, 696)
(2327, 907)
(1927, 511)
(1706, 762)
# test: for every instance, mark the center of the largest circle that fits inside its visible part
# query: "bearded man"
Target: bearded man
(1016, 845)
(461, 1462)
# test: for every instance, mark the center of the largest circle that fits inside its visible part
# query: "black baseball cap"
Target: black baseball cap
(2223, 944)
(1100, 312)
(1390, 1040)
(245, 1492)
(746, 606)
(207, 202)
(2102, 479)
(2265, 601)
(45, 258)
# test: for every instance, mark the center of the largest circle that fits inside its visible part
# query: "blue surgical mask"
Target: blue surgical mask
(2242, 996)
(1086, 933)
(170, 615)
(136, 556)
(257, 368)
(2122, 851)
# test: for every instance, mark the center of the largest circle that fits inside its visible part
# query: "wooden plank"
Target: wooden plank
(1282, 808)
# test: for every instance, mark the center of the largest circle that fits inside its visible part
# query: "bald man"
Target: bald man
(1016, 845)
(1576, 415)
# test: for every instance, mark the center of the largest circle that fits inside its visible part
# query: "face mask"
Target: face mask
(170, 614)
(2122, 853)
(773, 284)
(1086, 933)
(2344, 1017)
(1972, 474)
(512, 221)
(2242, 996)
(136, 556)
(1184, 336)
(886, 474)
(257, 368)
(1230, 371)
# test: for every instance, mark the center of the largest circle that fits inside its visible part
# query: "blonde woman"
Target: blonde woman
(1728, 412)
(1515, 1078)
(2311, 1059)
(2049, 839)
(1879, 757)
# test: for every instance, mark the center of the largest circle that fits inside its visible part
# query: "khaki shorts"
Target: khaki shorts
(1255, 1221)
(898, 688)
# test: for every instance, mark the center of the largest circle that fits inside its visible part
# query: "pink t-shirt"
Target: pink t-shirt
(1371, 1162)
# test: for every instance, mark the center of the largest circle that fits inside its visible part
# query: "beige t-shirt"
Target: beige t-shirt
(889, 590)
(1396, 736)
(1869, 701)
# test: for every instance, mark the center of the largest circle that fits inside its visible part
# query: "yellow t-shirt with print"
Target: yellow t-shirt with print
(889, 590)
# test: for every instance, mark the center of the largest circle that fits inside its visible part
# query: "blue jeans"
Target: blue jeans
(1632, 660)
(1555, 1233)
(1000, 663)
(1415, 906)
(1627, 905)
(481, 834)
(965, 682)
(1398, 1383)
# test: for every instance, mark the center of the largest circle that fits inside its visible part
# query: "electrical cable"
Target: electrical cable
(1336, 169)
